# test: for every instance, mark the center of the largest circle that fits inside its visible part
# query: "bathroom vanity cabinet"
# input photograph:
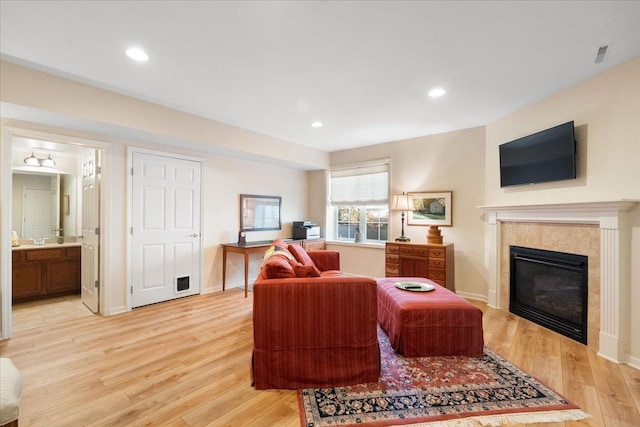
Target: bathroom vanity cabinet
(45, 272)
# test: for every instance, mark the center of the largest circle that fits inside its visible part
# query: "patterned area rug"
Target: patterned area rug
(447, 391)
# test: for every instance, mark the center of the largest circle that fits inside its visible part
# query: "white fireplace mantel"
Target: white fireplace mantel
(615, 255)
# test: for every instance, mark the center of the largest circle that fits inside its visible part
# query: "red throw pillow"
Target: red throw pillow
(306, 270)
(301, 255)
(278, 267)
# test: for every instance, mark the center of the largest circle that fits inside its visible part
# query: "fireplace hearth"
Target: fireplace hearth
(551, 289)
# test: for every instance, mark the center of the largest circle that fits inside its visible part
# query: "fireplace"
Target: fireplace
(551, 289)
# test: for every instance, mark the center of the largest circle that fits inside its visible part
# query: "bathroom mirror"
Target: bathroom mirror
(259, 213)
(38, 211)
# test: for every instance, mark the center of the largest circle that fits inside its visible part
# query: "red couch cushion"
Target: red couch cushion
(300, 254)
(303, 258)
(278, 267)
(306, 270)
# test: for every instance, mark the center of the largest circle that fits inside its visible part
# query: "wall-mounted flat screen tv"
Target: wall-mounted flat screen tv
(545, 156)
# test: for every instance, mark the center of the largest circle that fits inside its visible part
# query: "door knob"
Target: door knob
(194, 235)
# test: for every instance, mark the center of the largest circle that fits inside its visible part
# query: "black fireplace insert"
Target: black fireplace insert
(551, 289)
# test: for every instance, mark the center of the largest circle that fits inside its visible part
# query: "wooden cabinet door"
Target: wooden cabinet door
(26, 280)
(63, 275)
(413, 266)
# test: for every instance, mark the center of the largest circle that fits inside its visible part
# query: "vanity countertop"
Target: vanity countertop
(45, 246)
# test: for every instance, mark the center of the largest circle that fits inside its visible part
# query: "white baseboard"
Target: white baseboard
(115, 310)
(634, 362)
(469, 295)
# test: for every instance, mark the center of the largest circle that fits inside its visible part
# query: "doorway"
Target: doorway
(66, 152)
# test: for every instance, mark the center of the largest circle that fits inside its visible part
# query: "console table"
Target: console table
(246, 249)
(256, 247)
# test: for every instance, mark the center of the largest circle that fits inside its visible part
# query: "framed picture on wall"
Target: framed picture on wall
(431, 208)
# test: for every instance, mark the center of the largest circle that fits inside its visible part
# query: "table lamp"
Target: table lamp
(402, 202)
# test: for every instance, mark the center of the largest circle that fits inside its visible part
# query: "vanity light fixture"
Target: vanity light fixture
(34, 161)
(436, 92)
(137, 54)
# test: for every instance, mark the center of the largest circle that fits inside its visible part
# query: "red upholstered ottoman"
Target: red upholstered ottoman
(435, 323)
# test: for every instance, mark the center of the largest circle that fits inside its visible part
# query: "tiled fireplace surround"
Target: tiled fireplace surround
(598, 230)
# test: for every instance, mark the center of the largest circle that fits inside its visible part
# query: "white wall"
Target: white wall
(452, 161)
(235, 161)
(606, 113)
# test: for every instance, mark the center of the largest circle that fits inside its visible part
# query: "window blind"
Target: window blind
(360, 186)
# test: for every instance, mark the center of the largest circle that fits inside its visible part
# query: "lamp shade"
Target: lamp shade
(48, 162)
(401, 202)
(32, 160)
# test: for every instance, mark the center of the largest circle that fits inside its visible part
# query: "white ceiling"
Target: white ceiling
(362, 68)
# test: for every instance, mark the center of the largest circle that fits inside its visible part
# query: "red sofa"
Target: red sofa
(312, 326)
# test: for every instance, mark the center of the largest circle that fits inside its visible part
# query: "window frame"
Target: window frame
(333, 211)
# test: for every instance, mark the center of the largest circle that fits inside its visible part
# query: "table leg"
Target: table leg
(246, 274)
(224, 267)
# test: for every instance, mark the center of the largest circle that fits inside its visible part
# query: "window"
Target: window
(373, 220)
(359, 203)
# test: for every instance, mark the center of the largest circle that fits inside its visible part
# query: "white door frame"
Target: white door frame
(6, 183)
(130, 152)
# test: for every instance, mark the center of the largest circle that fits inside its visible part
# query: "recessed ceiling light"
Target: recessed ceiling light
(316, 124)
(436, 92)
(137, 54)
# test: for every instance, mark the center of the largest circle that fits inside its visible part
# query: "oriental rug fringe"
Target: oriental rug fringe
(438, 391)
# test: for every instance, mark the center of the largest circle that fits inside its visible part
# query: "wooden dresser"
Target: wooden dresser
(432, 261)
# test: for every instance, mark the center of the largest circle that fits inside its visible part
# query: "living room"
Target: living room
(463, 161)
(604, 107)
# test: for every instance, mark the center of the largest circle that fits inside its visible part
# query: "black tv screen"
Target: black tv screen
(545, 156)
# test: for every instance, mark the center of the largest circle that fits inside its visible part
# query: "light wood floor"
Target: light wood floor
(186, 363)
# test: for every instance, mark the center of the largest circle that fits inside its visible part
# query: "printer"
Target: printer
(305, 230)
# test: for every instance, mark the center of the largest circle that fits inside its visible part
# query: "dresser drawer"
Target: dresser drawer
(392, 259)
(406, 251)
(437, 274)
(436, 253)
(437, 263)
(392, 249)
(440, 282)
(392, 270)
(38, 254)
(74, 251)
(421, 252)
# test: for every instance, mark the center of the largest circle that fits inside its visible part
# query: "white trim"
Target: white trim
(6, 180)
(634, 362)
(129, 241)
(351, 244)
(469, 295)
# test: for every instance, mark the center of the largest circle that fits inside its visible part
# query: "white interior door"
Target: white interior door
(91, 229)
(37, 201)
(166, 228)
